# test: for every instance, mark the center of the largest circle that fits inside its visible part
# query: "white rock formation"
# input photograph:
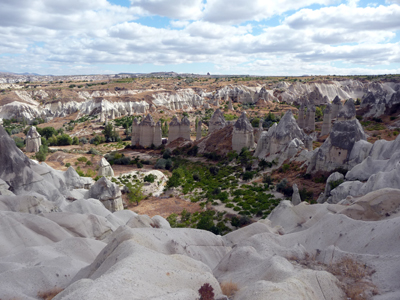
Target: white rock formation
(216, 122)
(243, 134)
(279, 136)
(335, 151)
(347, 112)
(33, 140)
(327, 122)
(230, 106)
(108, 193)
(300, 119)
(336, 107)
(146, 133)
(105, 168)
(310, 118)
(198, 132)
(179, 129)
(296, 195)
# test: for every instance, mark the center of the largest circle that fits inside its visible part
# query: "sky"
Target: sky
(255, 37)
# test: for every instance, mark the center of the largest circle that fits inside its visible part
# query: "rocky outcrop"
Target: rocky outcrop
(335, 151)
(146, 133)
(198, 131)
(300, 119)
(33, 140)
(108, 193)
(230, 106)
(336, 178)
(336, 107)
(243, 134)
(327, 122)
(310, 118)
(216, 122)
(279, 136)
(105, 168)
(296, 195)
(179, 129)
(347, 112)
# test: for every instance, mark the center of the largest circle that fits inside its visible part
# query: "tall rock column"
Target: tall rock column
(157, 137)
(336, 107)
(135, 135)
(260, 130)
(198, 132)
(326, 124)
(33, 140)
(230, 106)
(310, 118)
(216, 122)
(243, 134)
(300, 119)
(173, 132)
(184, 130)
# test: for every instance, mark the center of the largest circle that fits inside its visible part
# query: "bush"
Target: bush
(82, 159)
(160, 164)
(193, 151)
(83, 140)
(64, 140)
(19, 142)
(167, 153)
(335, 183)
(93, 151)
(68, 165)
(267, 179)
(284, 188)
(41, 155)
(248, 175)
(206, 292)
(89, 163)
(150, 178)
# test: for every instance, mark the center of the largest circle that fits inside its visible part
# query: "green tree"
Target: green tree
(135, 192)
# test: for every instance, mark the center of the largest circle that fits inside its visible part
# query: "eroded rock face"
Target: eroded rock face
(300, 120)
(146, 133)
(108, 193)
(335, 151)
(336, 107)
(347, 112)
(243, 134)
(179, 129)
(33, 140)
(105, 168)
(310, 118)
(198, 132)
(217, 121)
(296, 195)
(279, 136)
(327, 122)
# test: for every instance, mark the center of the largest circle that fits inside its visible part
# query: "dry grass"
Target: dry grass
(354, 276)
(50, 294)
(229, 288)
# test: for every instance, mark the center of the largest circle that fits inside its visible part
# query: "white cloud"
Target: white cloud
(238, 11)
(350, 18)
(175, 9)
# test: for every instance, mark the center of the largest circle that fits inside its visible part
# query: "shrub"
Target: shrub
(89, 163)
(68, 165)
(229, 288)
(284, 188)
(248, 175)
(135, 193)
(93, 151)
(167, 153)
(64, 140)
(82, 159)
(19, 142)
(335, 183)
(193, 151)
(139, 165)
(83, 140)
(267, 179)
(150, 178)
(41, 155)
(160, 164)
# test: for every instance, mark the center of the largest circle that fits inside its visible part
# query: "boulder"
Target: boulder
(105, 168)
(108, 193)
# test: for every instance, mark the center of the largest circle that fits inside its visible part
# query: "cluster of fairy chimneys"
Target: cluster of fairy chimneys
(147, 132)
(306, 118)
